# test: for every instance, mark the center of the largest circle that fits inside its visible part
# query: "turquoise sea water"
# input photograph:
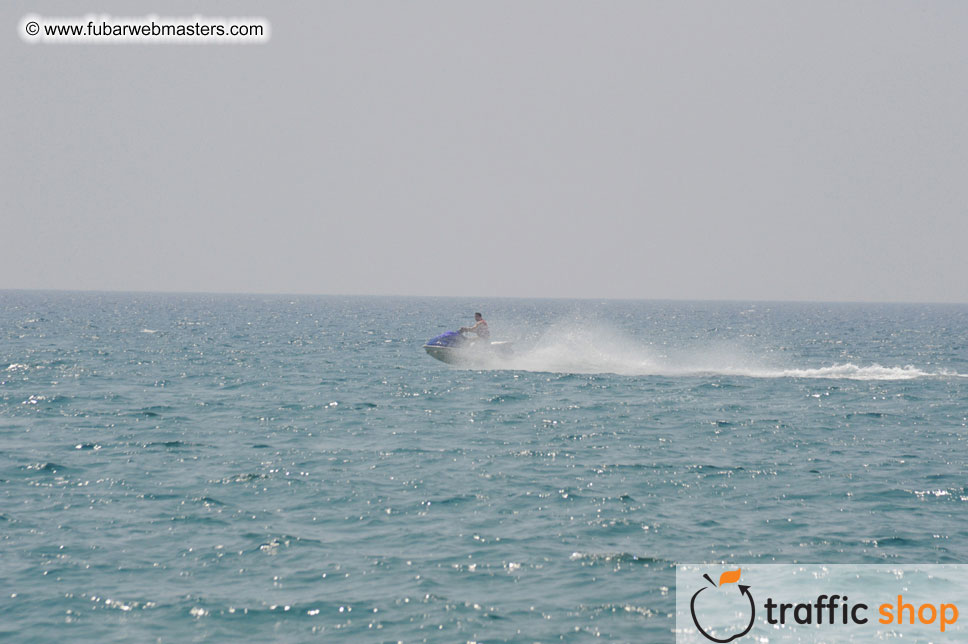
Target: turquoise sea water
(269, 468)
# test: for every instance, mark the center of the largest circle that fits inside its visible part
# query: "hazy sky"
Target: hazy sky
(689, 150)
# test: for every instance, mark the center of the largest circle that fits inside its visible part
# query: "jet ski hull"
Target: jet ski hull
(450, 355)
(453, 348)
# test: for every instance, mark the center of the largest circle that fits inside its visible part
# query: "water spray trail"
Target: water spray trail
(593, 350)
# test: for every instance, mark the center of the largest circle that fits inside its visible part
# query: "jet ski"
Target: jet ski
(454, 347)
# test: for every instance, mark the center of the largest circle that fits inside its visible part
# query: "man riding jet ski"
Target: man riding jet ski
(460, 347)
(480, 327)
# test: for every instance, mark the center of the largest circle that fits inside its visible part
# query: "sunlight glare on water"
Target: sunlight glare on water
(221, 467)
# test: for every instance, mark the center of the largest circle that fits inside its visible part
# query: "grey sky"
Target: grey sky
(741, 150)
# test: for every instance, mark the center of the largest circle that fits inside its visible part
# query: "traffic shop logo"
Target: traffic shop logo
(723, 593)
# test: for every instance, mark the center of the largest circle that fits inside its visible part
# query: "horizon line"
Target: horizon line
(472, 297)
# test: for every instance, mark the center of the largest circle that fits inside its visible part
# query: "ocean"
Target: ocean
(188, 468)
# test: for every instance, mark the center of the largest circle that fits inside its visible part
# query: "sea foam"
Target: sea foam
(593, 350)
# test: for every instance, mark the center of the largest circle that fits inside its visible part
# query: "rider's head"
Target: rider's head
(478, 317)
